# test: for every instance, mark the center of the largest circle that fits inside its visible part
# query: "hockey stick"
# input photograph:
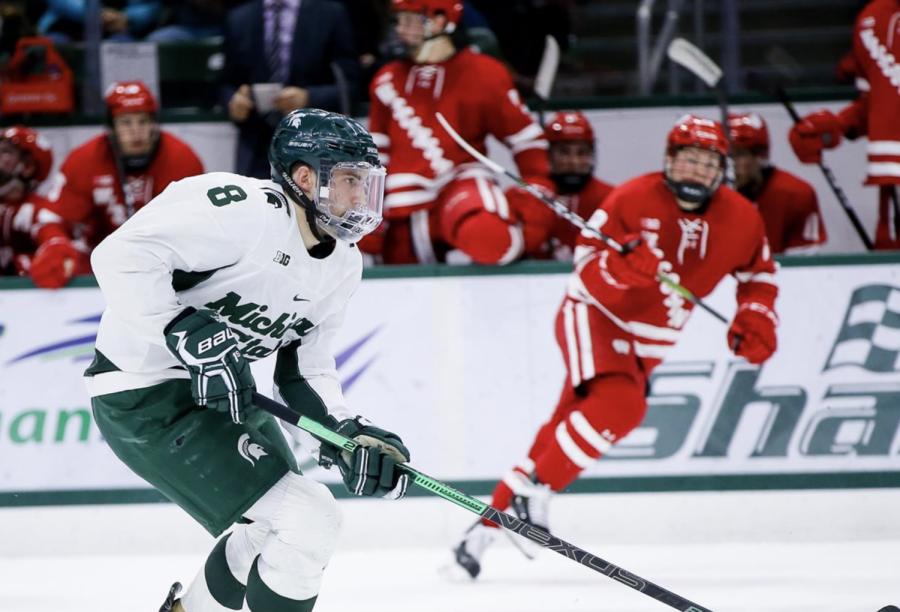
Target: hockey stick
(688, 56)
(486, 511)
(546, 75)
(571, 217)
(781, 95)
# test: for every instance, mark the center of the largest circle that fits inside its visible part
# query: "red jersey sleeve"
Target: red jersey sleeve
(590, 250)
(510, 122)
(70, 195)
(757, 287)
(855, 116)
(379, 120)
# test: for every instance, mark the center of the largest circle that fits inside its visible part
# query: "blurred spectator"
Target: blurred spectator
(106, 180)
(441, 205)
(187, 20)
(521, 27)
(788, 204)
(25, 162)
(17, 19)
(572, 158)
(315, 38)
(122, 20)
(371, 22)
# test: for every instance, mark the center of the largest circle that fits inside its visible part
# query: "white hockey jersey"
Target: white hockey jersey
(230, 244)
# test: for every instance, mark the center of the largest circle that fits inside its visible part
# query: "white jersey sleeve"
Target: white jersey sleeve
(195, 225)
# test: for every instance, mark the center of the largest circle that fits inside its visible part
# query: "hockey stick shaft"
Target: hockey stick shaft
(785, 100)
(487, 511)
(570, 216)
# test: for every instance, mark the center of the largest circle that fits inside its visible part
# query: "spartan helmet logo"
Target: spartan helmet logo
(250, 450)
(295, 120)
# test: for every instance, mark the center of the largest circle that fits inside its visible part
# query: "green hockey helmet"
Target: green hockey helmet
(349, 195)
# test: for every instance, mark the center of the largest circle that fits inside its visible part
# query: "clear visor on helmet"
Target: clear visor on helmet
(350, 199)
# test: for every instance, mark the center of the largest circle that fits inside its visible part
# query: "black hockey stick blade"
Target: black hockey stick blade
(507, 521)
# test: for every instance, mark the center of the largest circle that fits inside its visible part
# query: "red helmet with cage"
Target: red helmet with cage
(452, 9)
(130, 97)
(567, 126)
(749, 131)
(27, 140)
(693, 131)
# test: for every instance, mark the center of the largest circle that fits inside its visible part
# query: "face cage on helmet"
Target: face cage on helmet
(349, 199)
(690, 191)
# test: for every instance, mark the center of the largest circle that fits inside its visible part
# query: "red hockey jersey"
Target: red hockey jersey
(697, 251)
(475, 93)
(790, 211)
(564, 235)
(876, 113)
(18, 234)
(88, 193)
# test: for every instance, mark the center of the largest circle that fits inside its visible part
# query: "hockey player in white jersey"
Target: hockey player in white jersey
(218, 271)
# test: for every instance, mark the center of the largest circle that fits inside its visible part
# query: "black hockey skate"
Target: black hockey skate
(467, 554)
(169, 603)
(530, 504)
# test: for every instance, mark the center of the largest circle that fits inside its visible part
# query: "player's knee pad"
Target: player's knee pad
(475, 217)
(613, 406)
(242, 547)
(304, 531)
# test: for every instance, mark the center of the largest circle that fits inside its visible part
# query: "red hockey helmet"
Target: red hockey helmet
(693, 131)
(567, 126)
(749, 131)
(452, 9)
(130, 97)
(27, 140)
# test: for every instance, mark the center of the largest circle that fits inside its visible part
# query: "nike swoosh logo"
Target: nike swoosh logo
(300, 299)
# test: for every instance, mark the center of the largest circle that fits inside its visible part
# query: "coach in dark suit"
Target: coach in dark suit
(300, 43)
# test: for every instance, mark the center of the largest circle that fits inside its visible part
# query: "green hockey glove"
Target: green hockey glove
(371, 469)
(220, 376)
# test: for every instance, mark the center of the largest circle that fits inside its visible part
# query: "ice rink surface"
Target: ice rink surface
(743, 577)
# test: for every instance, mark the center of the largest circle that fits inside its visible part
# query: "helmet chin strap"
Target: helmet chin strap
(308, 206)
(422, 55)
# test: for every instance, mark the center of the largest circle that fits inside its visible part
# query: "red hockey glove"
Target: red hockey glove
(752, 333)
(815, 132)
(636, 267)
(54, 263)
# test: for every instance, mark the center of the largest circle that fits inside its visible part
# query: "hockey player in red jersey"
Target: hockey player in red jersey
(438, 199)
(25, 162)
(572, 158)
(876, 48)
(788, 204)
(105, 180)
(618, 321)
